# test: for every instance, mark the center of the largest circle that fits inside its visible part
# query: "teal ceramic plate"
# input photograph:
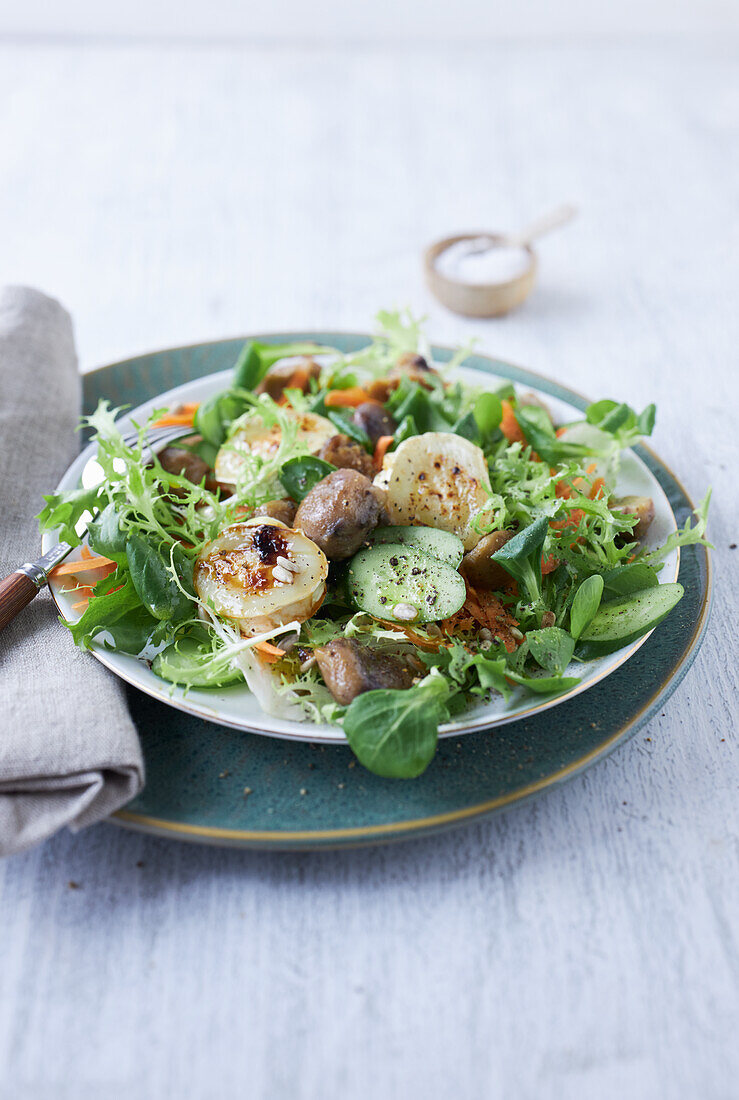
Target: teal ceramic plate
(208, 783)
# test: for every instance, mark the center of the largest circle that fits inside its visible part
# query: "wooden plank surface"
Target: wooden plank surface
(582, 945)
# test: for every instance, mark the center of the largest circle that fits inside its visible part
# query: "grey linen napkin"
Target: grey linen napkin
(69, 752)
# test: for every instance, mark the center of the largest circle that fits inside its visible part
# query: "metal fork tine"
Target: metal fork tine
(155, 436)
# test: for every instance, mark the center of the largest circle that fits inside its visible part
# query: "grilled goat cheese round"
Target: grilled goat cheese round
(261, 574)
(438, 480)
(253, 437)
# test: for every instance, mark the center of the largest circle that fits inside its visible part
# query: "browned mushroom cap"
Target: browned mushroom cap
(345, 454)
(409, 365)
(412, 361)
(339, 513)
(478, 566)
(374, 420)
(178, 460)
(350, 668)
(283, 510)
(415, 367)
(296, 376)
(641, 507)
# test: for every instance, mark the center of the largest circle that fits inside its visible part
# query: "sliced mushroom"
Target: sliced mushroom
(415, 367)
(345, 454)
(478, 566)
(178, 460)
(350, 668)
(374, 420)
(412, 361)
(296, 375)
(283, 510)
(339, 512)
(409, 365)
(641, 507)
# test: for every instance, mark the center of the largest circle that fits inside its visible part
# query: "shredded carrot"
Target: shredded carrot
(381, 449)
(580, 484)
(597, 488)
(175, 420)
(458, 623)
(549, 564)
(85, 551)
(81, 605)
(270, 652)
(485, 609)
(182, 416)
(430, 645)
(89, 564)
(509, 425)
(86, 592)
(298, 380)
(347, 399)
(571, 520)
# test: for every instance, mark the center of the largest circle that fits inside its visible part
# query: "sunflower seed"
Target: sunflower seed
(283, 575)
(405, 611)
(287, 564)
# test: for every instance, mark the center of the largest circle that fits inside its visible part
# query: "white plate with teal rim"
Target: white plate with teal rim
(237, 708)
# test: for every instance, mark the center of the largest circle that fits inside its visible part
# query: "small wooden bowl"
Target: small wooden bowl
(478, 299)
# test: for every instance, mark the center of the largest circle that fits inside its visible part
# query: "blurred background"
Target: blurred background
(409, 21)
(176, 172)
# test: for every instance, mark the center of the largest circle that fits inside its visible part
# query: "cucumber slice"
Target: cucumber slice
(183, 664)
(384, 579)
(629, 579)
(622, 621)
(429, 540)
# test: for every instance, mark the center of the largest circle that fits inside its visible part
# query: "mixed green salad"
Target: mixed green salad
(364, 539)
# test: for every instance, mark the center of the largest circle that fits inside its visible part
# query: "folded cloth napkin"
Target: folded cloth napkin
(69, 753)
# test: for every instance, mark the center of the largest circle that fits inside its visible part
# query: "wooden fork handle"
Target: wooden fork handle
(16, 592)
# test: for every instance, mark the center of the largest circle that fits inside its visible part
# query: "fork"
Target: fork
(19, 588)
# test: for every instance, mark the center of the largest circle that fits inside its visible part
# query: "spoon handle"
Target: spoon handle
(546, 224)
(19, 588)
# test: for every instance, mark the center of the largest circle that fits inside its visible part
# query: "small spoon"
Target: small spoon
(495, 298)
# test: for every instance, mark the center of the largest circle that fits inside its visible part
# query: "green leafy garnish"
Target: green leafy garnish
(346, 426)
(585, 604)
(488, 412)
(551, 647)
(165, 589)
(300, 475)
(394, 733)
(114, 597)
(521, 557)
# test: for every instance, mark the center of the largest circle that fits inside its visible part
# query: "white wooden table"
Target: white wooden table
(584, 944)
